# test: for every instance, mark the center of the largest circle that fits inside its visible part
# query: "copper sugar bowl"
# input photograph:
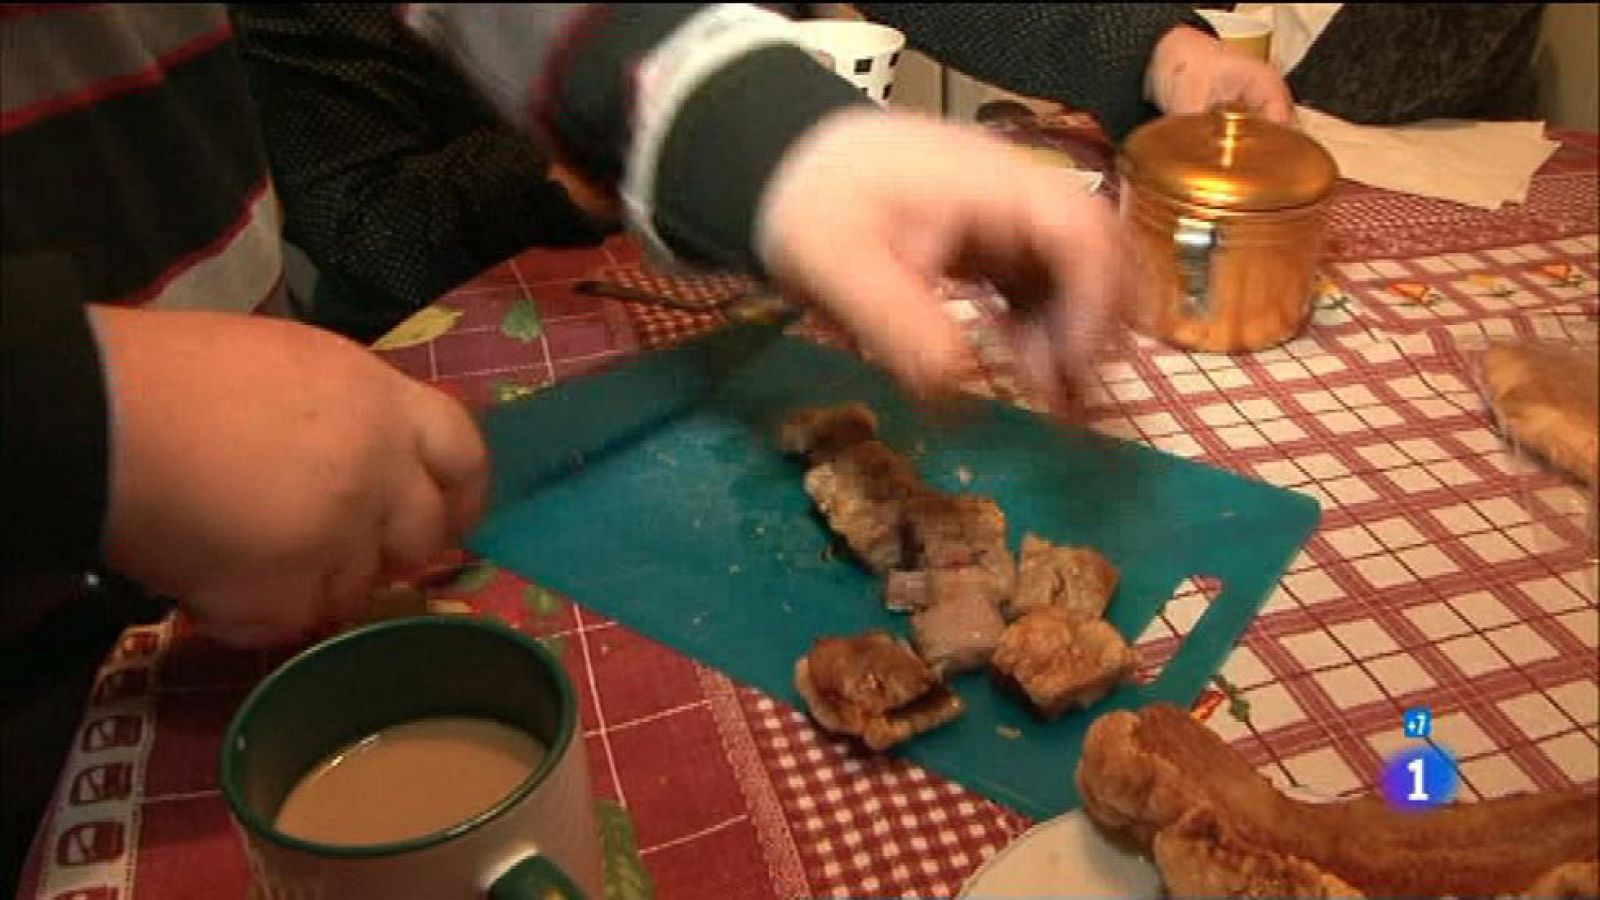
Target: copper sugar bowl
(1228, 212)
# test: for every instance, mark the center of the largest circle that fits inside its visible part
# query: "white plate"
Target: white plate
(1069, 857)
(1064, 857)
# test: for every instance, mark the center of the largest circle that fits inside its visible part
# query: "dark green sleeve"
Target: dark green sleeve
(1089, 56)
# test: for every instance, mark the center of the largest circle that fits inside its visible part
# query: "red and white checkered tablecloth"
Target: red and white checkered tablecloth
(1448, 571)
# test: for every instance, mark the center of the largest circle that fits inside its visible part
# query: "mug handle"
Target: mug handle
(534, 878)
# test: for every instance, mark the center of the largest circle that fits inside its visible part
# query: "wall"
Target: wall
(1566, 64)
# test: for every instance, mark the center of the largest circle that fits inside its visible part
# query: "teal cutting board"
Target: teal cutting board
(697, 532)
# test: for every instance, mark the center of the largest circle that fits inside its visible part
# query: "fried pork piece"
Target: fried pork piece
(822, 432)
(1164, 781)
(874, 687)
(1060, 661)
(1200, 856)
(906, 590)
(863, 492)
(945, 531)
(910, 590)
(958, 633)
(1076, 579)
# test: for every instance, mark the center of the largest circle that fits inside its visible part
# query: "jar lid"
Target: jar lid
(1229, 160)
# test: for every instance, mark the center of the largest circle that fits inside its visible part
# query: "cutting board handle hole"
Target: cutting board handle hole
(1173, 622)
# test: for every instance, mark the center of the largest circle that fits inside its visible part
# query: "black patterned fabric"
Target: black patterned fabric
(1383, 64)
(397, 179)
(1375, 63)
(1090, 56)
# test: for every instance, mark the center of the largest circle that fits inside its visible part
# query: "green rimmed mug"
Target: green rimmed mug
(537, 842)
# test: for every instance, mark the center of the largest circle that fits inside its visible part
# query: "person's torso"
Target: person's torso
(128, 147)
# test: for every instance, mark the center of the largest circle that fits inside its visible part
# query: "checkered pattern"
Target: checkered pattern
(1448, 571)
(659, 327)
(867, 824)
(707, 291)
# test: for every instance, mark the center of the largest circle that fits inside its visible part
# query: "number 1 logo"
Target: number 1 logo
(1419, 778)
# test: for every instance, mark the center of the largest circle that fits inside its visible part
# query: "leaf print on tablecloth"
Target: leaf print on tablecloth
(522, 322)
(1493, 285)
(1238, 706)
(556, 644)
(475, 577)
(511, 391)
(1329, 295)
(626, 877)
(425, 325)
(1562, 274)
(1414, 292)
(1206, 704)
(540, 602)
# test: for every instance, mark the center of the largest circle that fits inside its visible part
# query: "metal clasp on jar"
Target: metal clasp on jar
(1195, 240)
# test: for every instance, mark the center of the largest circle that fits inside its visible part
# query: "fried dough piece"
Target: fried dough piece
(1076, 579)
(820, 433)
(1199, 856)
(863, 492)
(958, 633)
(1546, 397)
(874, 687)
(1059, 661)
(1141, 775)
(1575, 879)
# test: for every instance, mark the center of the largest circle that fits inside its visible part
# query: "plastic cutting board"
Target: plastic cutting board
(697, 532)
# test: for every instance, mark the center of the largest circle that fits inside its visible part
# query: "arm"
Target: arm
(53, 403)
(676, 101)
(395, 178)
(737, 149)
(1087, 55)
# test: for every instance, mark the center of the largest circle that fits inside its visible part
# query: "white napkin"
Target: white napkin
(1482, 164)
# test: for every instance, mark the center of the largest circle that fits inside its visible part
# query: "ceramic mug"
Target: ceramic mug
(538, 841)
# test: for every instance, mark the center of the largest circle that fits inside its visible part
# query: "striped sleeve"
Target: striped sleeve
(131, 172)
(689, 107)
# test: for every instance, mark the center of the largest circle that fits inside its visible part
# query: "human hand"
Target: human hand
(868, 210)
(268, 475)
(1192, 72)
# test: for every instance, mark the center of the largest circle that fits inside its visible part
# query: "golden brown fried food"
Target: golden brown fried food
(1060, 661)
(1168, 783)
(1546, 398)
(863, 492)
(909, 590)
(906, 590)
(957, 633)
(874, 687)
(1575, 879)
(822, 432)
(1076, 579)
(1199, 856)
(959, 531)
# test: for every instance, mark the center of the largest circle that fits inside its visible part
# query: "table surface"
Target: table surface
(1447, 572)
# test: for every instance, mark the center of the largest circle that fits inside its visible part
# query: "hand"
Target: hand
(1192, 72)
(267, 474)
(869, 209)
